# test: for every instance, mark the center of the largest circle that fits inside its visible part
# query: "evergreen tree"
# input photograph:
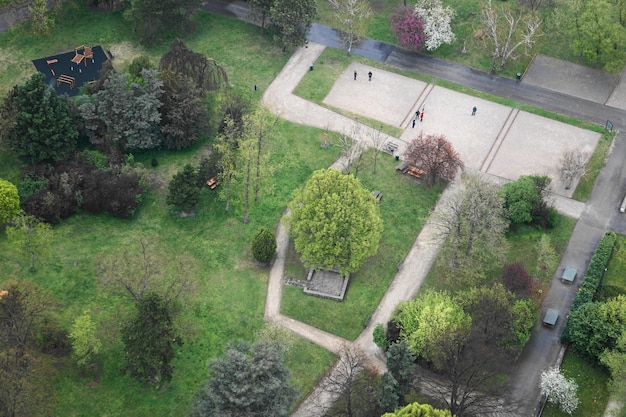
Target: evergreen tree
(183, 192)
(43, 128)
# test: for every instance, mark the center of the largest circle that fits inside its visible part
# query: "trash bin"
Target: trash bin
(518, 76)
(397, 157)
(311, 68)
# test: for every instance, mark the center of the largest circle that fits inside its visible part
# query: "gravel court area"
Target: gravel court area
(534, 145)
(389, 97)
(509, 143)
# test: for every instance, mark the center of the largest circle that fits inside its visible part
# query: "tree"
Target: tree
(205, 72)
(125, 116)
(594, 326)
(419, 410)
(226, 145)
(334, 222)
(559, 390)
(249, 380)
(292, 20)
(351, 16)
(472, 221)
(408, 27)
(596, 30)
(527, 200)
(615, 361)
(517, 280)
(260, 11)
(546, 258)
(572, 166)
(152, 19)
(505, 32)
(429, 319)
(150, 269)
(435, 155)
(43, 129)
(342, 381)
(42, 21)
(85, 342)
(9, 201)
(264, 245)
(389, 398)
(436, 20)
(352, 151)
(401, 365)
(378, 140)
(149, 340)
(31, 237)
(183, 192)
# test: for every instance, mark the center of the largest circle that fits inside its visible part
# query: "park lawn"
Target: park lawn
(404, 207)
(614, 281)
(592, 388)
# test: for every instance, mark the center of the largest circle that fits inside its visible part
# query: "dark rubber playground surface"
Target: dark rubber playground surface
(83, 73)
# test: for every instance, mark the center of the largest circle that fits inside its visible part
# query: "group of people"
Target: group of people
(369, 75)
(418, 115)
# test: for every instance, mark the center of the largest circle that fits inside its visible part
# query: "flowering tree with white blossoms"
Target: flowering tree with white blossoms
(559, 390)
(436, 22)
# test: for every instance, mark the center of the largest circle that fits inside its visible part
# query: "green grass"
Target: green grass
(595, 164)
(614, 281)
(592, 389)
(404, 208)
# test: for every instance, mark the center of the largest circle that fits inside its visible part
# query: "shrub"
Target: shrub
(154, 163)
(408, 28)
(380, 336)
(264, 245)
(516, 279)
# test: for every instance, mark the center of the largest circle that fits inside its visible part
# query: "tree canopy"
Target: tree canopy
(408, 28)
(43, 129)
(292, 20)
(183, 193)
(435, 155)
(335, 222)
(419, 410)
(9, 201)
(526, 200)
(153, 19)
(249, 380)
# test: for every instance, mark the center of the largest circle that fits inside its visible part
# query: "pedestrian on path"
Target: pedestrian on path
(474, 111)
(417, 115)
(369, 74)
(414, 120)
(354, 75)
(422, 116)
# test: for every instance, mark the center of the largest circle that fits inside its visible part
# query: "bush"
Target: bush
(154, 163)
(264, 245)
(380, 336)
(516, 279)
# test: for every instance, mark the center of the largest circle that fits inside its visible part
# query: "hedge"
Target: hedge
(595, 272)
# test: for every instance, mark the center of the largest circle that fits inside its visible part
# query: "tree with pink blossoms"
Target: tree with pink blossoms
(408, 28)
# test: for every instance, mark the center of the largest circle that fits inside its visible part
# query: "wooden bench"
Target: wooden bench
(66, 79)
(414, 172)
(52, 61)
(377, 195)
(212, 183)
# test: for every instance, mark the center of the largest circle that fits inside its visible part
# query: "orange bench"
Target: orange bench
(52, 61)
(212, 183)
(415, 172)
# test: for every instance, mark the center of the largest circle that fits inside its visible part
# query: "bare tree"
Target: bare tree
(150, 270)
(506, 32)
(572, 166)
(435, 155)
(341, 381)
(352, 151)
(378, 140)
(351, 19)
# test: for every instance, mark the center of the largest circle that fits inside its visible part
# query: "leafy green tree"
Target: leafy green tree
(351, 17)
(260, 11)
(334, 222)
(389, 398)
(226, 146)
(430, 318)
(9, 201)
(473, 223)
(41, 19)
(183, 193)
(596, 29)
(526, 200)
(31, 237)
(264, 245)
(419, 410)
(125, 116)
(249, 380)
(43, 128)
(292, 20)
(595, 326)
(149, 340)
(85, 342)
(615, 360)
(153, 19)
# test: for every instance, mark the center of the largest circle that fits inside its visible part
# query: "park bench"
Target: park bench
(414, 172)
(212, 183)
(377, 195)
(52, 61)
(66, 79)
(390, 147)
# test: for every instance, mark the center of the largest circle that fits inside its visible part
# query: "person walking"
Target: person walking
(414, 120)
(474, 111)
(422, 116)
(417, 115)
(369, 74)
(354, 75)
